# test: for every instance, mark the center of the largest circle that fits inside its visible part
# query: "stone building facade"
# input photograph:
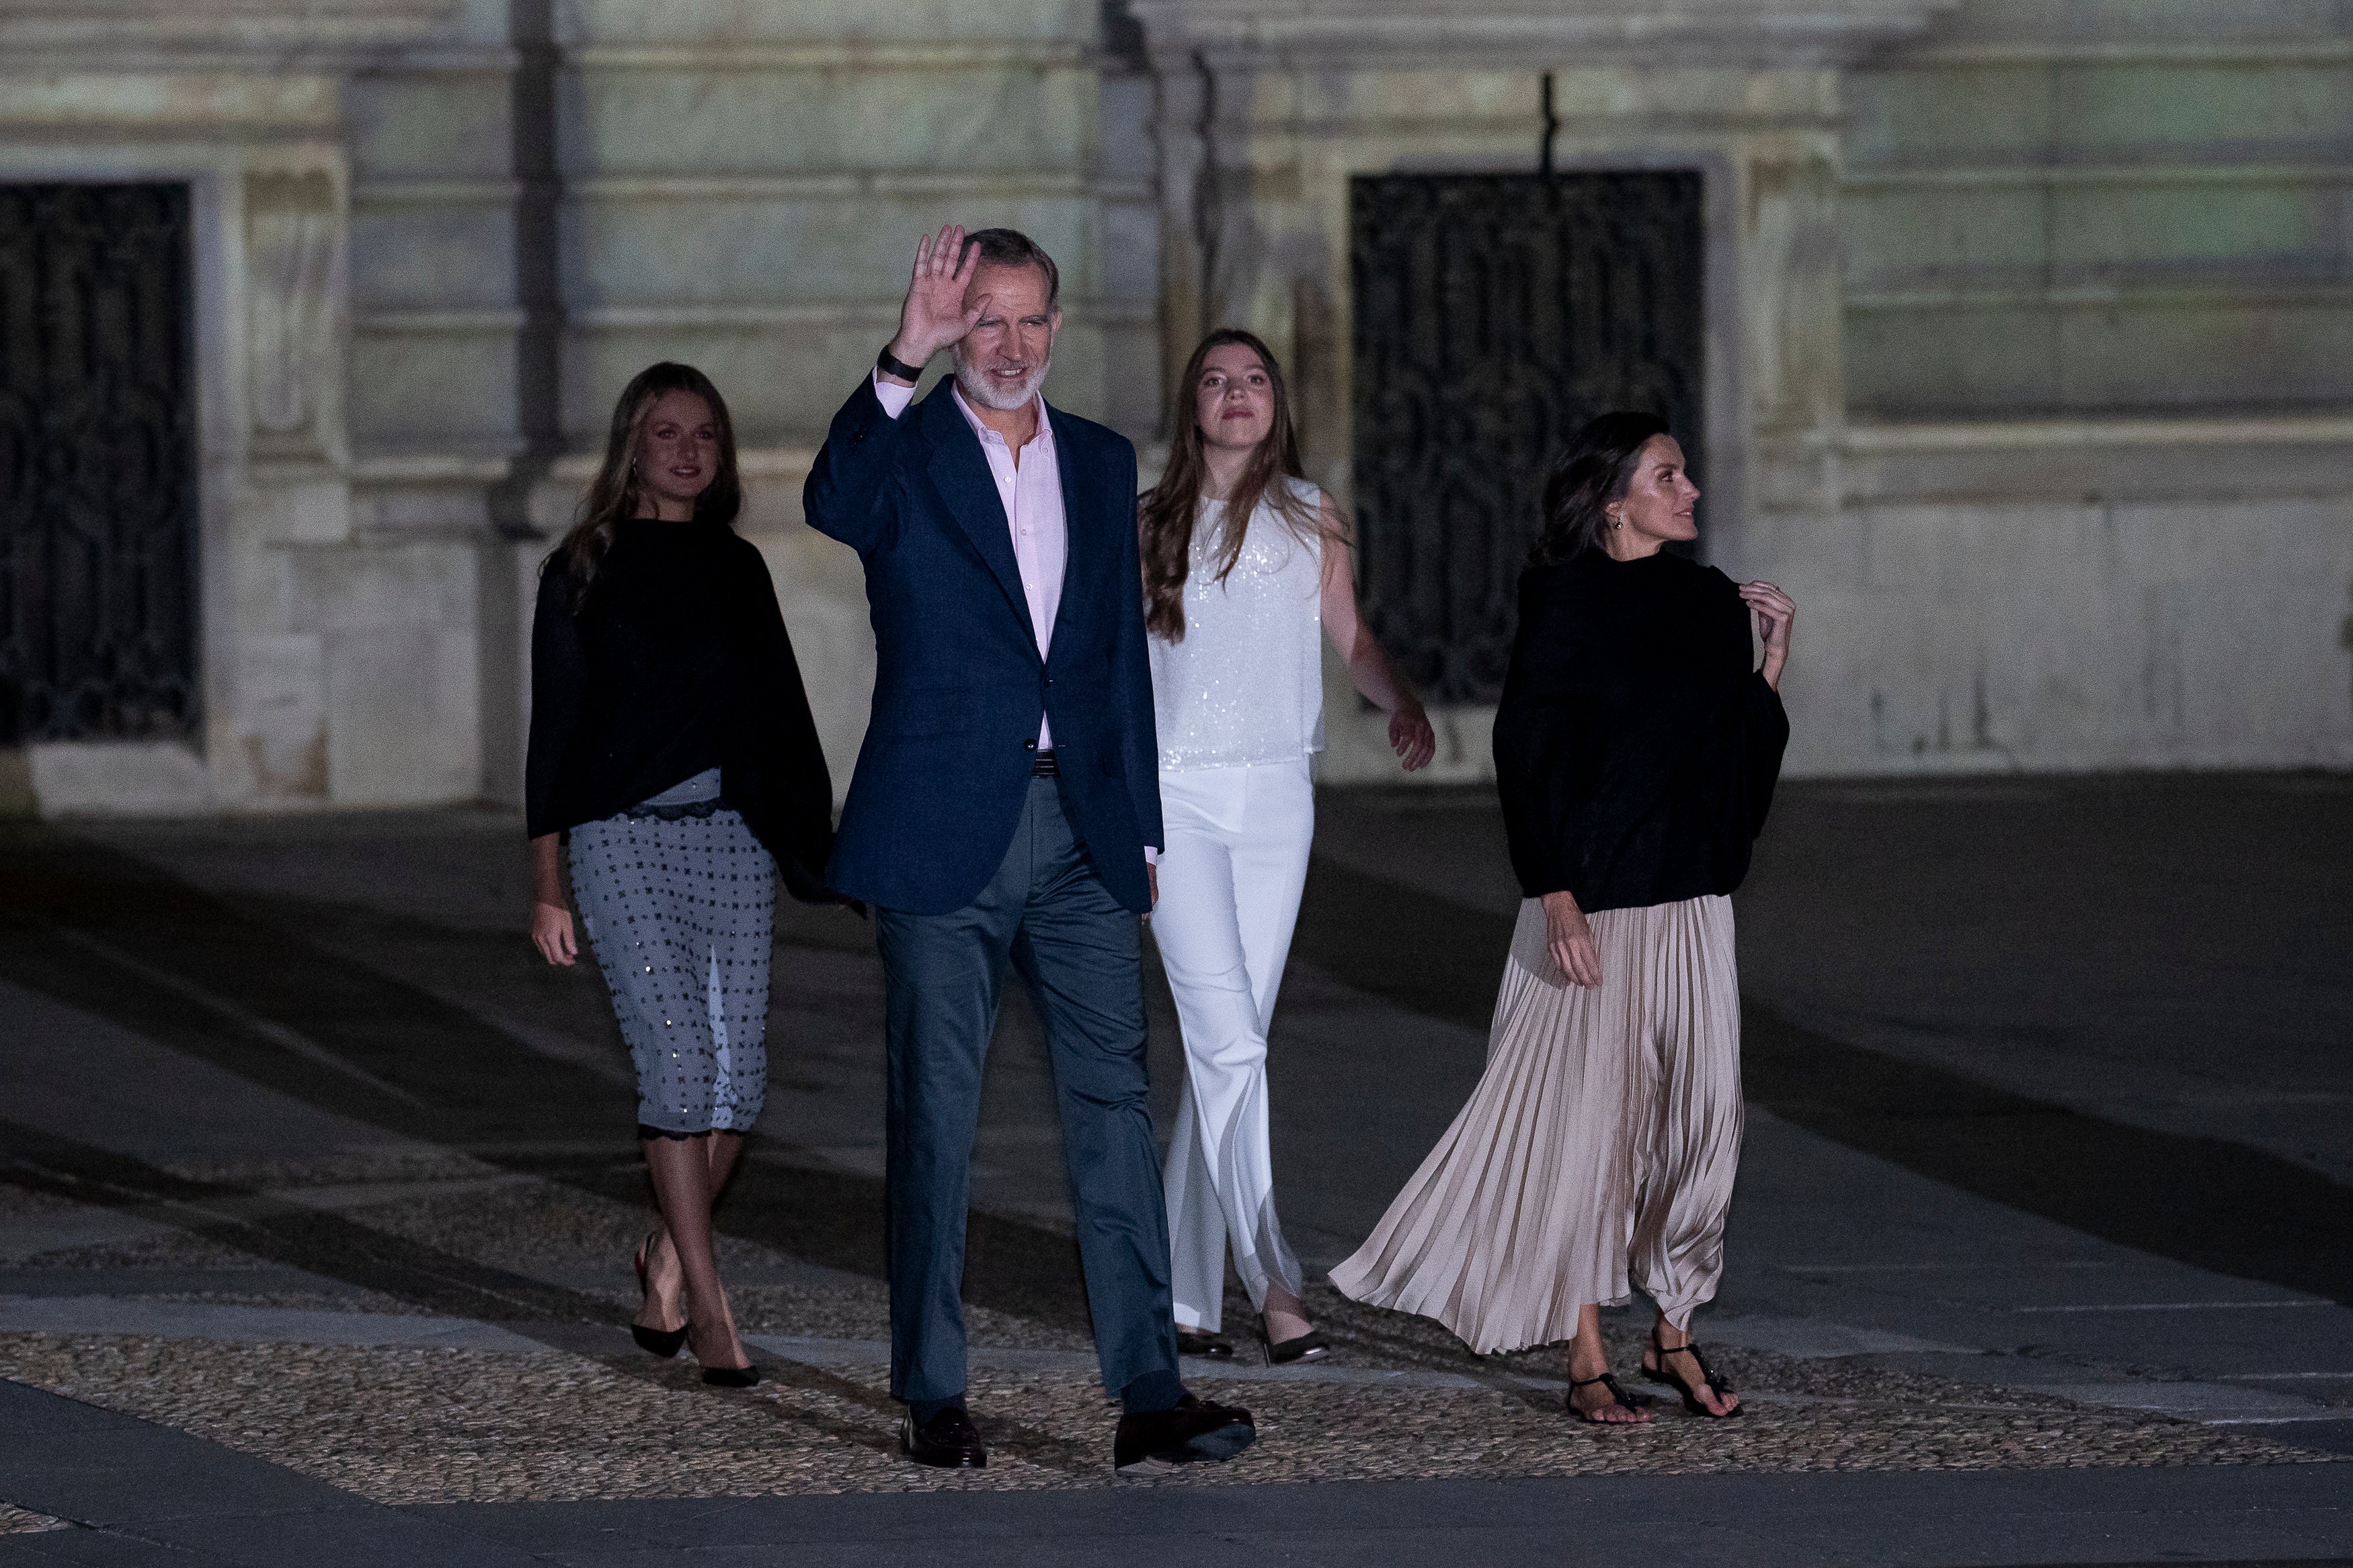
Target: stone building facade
(2026, 354)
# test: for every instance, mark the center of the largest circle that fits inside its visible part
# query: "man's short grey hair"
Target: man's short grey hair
(1011, 248)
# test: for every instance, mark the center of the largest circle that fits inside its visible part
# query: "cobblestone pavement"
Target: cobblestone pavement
(300, 1156)
(568, 1410)
(15, 1521)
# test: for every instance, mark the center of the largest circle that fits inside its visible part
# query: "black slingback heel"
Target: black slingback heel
(731, 1376)
(1299, 1347)
(664, 1342)
(1200, 1343)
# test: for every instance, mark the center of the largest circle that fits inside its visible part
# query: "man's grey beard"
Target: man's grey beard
(977, 388)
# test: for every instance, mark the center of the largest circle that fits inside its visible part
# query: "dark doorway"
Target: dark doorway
(1494, 314)
(97, 464)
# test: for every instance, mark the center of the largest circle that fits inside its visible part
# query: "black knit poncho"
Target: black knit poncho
(1636, 745)
(676, 662)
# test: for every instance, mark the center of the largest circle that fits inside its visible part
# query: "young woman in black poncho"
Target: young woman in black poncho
(1636, 749)
(671, 744)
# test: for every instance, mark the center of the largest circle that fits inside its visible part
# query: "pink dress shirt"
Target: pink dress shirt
(1030, 486)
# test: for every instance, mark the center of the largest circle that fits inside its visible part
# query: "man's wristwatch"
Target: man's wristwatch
(891, 364)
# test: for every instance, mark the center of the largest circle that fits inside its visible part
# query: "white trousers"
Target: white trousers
(1229, 883)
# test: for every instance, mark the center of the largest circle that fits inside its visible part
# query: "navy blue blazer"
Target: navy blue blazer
(959, 688)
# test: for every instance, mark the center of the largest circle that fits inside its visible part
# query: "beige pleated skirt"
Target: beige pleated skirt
(1597, 1150)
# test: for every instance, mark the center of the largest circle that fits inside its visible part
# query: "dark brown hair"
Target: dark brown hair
(614, 495)
(1011, 248)
(1170, 507)
(1595, 468)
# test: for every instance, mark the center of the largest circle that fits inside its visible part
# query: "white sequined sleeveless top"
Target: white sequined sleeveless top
(1246, 685)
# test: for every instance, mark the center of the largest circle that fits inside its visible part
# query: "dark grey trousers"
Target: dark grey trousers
(1047, 914)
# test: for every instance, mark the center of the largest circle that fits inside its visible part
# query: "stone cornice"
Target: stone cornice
(213, 34)
(1531, 33)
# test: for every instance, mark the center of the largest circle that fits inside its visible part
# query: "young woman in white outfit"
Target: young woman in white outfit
(1246, 569)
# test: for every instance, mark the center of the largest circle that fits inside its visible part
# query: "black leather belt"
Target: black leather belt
(1042, 766)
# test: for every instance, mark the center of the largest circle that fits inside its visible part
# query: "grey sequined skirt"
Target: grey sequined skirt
(680, 902)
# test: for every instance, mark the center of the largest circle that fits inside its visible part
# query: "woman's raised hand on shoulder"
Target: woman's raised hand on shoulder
(1774, 613)
(1568, 937)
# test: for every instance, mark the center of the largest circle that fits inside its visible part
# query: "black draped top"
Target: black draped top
(1636, 744)
(676, 662)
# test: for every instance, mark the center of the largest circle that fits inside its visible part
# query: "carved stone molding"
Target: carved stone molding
(1525, 32)
(312, 35)
(292, 225)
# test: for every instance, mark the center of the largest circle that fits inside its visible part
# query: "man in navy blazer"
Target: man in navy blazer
(1005, 811)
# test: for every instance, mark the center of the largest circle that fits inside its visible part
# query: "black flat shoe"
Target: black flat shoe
(1200, 1343)
(948, 1441)
(664, 1342)
(1194, 1432)
(1618, 1395)
(1299, 1347)
(1660, 1373)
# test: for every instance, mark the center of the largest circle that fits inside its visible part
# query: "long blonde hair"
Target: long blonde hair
(614, 495)
(1170, 508)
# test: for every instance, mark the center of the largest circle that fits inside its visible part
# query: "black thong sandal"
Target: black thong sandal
(1618, 1395)
(1714, 1380)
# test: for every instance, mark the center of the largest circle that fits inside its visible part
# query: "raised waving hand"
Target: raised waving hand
(934, 315)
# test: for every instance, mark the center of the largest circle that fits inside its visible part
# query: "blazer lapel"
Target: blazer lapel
(960, 470)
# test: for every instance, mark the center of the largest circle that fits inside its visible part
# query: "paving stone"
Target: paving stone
(15, 1521)
(534, 1227)
(578, 1415)
(406, 1425)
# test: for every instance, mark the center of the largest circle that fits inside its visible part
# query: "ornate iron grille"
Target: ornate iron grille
(98, 466)
(1494, 314)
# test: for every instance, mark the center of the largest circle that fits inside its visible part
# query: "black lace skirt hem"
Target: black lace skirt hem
(679, 813)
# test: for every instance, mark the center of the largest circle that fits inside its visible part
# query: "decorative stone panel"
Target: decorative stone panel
(242, 102)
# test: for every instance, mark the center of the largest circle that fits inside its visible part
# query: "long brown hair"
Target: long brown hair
(1169, 509)
(614, 495)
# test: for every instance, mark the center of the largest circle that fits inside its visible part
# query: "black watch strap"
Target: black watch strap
(892, 365)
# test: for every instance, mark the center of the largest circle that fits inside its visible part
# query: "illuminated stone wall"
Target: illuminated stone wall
(2030, 324)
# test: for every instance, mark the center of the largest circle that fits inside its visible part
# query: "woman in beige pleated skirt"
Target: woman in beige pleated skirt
(1636, 748)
